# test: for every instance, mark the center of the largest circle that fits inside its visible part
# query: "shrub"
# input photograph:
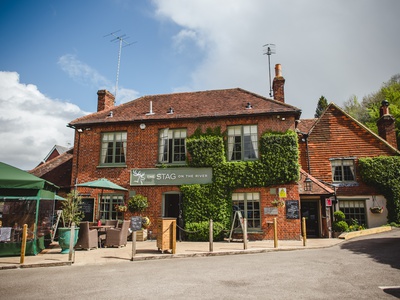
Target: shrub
(137, 203)
(339, 216)
(340, 226)
(200, 231)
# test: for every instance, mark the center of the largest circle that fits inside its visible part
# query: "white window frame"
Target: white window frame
(250, 206)
(168, 140)
(243, 142)
(114, 142)
(344, 166)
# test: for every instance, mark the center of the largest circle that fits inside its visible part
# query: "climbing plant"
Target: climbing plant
(384, 173)
(278, 164)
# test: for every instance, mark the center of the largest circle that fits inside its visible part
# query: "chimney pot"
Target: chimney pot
(278, 84)
(105, 100)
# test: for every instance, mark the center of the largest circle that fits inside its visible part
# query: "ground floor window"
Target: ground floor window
(108, 210)
(249, 205)
(353, 210)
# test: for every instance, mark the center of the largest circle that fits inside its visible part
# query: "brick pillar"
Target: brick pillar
(105, 100)
(278, 84)
(386, 125)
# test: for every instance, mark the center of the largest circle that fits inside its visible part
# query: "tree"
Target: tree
(368, 111)
(355, 109)
(322, 105)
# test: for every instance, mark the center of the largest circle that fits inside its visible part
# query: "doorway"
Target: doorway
(309, 211)
(173, 209)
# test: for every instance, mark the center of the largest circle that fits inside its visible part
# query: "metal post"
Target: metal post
(244, 233)
(211, 233)
(23, 244)
(71, 242)
(303, 226)
(275, 233)
(133, 244)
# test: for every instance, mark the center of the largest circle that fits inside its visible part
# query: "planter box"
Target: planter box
(141, 235)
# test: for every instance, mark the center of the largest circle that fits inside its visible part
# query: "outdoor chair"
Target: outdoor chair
(113, 223)
(87, 238)
(117, 236)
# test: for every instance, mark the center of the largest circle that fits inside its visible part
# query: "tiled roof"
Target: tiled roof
(318, 187)
(203, 104)
(50, 165)
(305, 125)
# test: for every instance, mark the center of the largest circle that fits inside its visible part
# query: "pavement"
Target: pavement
(147, 250)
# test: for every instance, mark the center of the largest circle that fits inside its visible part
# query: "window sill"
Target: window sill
(111, 166)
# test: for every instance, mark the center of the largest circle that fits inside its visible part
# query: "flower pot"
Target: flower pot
(64, 237)
(376, 210)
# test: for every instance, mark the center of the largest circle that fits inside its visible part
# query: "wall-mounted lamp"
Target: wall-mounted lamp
(80, 130)
(248, 105)
(308, 184)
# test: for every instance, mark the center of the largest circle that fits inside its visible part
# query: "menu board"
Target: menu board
(136, 223)
(87, 208)
(292, 209)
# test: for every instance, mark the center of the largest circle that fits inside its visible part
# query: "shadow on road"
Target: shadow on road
(384, 250)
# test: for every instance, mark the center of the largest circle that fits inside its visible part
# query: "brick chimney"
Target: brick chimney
(386, 124)
(278, 84)
(105, 100)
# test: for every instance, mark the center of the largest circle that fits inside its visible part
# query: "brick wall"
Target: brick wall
(336, 136)
(142, 152)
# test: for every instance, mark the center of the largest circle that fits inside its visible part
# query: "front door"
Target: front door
(309, 210)
(172, 209)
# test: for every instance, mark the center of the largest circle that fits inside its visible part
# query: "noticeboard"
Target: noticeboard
(87, 207)
(292, 209)
(136, 223)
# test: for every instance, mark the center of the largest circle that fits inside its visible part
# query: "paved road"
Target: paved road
(357, 269)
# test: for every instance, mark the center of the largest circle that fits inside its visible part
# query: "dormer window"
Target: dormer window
(343, 169)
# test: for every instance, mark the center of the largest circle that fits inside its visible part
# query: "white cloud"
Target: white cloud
(86, 75)
(331, 48)
(31, 123)
(81, 72)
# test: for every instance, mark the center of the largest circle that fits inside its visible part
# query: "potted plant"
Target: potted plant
(339, 224)
(278, 203)
(137, 204)
(376, 209)
(71, 214)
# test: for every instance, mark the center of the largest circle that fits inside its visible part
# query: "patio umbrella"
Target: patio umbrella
(103, 184)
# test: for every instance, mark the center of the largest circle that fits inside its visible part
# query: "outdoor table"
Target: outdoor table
(101, 229)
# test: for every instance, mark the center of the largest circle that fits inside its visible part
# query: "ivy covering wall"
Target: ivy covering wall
(278, 164)
(384, 173)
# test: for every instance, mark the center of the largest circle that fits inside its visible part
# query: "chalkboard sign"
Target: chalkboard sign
(136, 223)
(87, 207)
(292, 209)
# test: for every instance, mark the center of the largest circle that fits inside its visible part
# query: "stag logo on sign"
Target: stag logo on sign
(138, 176)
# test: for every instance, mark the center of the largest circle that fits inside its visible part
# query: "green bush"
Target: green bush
(339, 216)
(137, 203)
(200, 231)
(340, 226)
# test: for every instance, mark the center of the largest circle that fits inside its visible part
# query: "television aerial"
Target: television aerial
(268, 50)
(122, 43)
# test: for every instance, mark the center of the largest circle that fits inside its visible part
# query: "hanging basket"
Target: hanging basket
(376, 210)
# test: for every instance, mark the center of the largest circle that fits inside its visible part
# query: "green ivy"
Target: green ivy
(384, 173)
(278, 164)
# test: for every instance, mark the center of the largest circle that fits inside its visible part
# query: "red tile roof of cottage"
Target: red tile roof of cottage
(345, 122)
(203, 104)
(318, 187)
(304, 125)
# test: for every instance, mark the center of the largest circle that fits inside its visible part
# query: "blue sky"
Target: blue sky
(54, 56)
